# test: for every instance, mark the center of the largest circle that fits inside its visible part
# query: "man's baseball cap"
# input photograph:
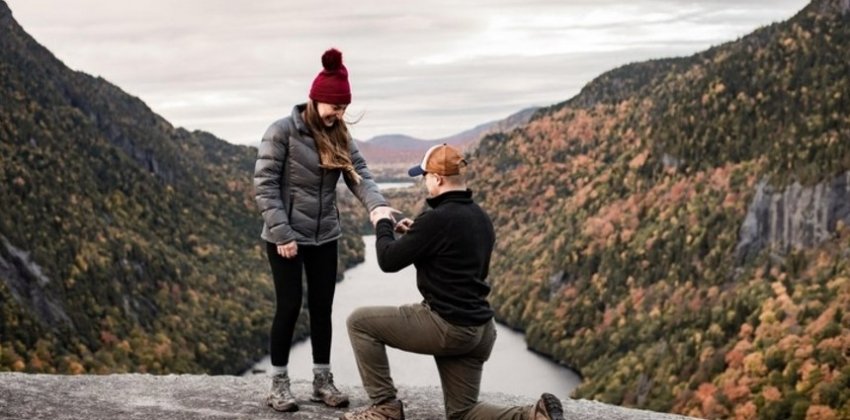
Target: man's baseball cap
(442, 160)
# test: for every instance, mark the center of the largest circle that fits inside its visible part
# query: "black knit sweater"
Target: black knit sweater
(450, 246)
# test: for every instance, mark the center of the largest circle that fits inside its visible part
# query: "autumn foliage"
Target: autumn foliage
(618, 215)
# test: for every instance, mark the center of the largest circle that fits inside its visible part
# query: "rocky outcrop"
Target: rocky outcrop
(30, 287)
(186, 397)
(794, 217)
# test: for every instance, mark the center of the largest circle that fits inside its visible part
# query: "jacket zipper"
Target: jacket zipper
(291, 205)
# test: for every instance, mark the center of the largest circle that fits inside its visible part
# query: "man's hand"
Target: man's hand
(403, 225)
(288, 250)
(383, 212)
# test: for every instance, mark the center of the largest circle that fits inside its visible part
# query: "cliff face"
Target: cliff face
(28, 284)
(794, 217)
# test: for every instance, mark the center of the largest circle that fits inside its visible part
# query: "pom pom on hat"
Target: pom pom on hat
(332, 59)
(331, 84)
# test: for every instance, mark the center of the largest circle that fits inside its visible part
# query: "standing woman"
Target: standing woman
(300, 160)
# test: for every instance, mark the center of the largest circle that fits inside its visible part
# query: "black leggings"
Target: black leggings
(320, 264)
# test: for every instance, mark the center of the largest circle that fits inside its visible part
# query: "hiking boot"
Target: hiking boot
(325, 391)
(280, 397)
(388, 410)
(548, 407)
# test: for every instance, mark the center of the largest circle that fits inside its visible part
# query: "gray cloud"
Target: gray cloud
(428, 69)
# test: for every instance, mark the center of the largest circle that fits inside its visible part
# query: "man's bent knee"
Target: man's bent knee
(354, 320)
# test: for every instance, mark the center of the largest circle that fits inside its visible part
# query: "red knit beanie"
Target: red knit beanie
(331, 84)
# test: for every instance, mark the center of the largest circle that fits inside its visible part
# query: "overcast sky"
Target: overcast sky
(424, 68)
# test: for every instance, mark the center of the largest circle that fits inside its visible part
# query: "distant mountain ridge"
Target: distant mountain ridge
(126, 244)
(397, 150)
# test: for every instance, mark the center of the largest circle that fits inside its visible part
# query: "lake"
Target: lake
(511, 369)
(395, 185)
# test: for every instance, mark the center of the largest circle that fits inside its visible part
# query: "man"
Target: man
(450, 246)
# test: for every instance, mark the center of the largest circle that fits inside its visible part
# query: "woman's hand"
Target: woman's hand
(383, 212)
(288, 250)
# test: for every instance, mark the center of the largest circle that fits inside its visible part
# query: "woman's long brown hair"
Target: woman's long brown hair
(332, 143)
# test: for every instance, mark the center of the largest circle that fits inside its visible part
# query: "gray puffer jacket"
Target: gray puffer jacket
(296, 197)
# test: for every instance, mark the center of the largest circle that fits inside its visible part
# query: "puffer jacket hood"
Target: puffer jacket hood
(296, 197)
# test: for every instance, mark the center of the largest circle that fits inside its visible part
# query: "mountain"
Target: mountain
(389, 156)
(678, 231)
(392, 148)
(126, 244)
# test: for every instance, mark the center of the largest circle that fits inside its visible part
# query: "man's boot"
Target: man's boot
(387, 410)
(548, 407)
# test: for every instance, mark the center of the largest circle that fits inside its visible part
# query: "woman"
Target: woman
(300, 160)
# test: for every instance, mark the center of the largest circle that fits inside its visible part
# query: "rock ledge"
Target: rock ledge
(183, 397)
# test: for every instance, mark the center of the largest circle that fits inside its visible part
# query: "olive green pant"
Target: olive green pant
(460, 353)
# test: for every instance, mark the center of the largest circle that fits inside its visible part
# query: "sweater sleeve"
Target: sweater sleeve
(367, 190)
(420, 241)
(268, 176)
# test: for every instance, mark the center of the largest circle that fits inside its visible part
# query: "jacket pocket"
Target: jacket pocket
(462, 338)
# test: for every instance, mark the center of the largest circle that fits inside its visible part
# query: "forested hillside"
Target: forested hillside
(677, 232)
(126, 244)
